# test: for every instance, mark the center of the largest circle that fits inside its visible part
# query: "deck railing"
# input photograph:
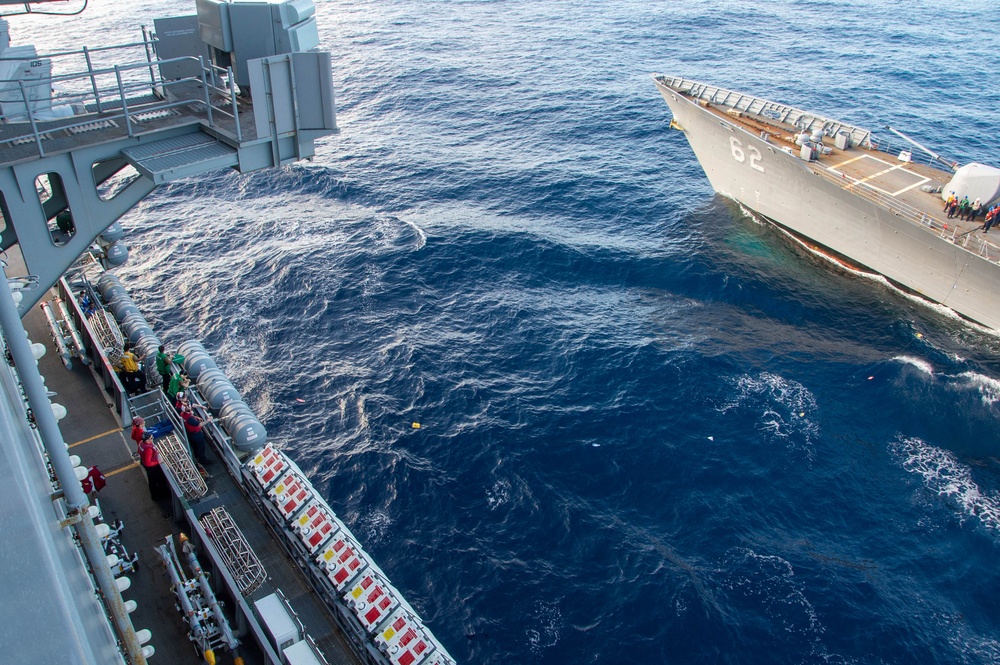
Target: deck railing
(800, 120)
(950, 232)
(882, 144)
(105, 92)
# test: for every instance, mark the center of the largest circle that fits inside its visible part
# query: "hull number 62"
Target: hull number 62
(740, 154)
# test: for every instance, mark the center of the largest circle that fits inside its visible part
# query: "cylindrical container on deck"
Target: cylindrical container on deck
(196, 358)
(247, 432)
(148, 345)
(106, 281)
(116, 254)
(137, 331)
(231, 410)
(113, 233)
(131, 320)
(122, 307)
(217, 389)
(113, 291)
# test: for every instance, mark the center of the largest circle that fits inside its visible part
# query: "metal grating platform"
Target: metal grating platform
(180, 156)
(115, 103)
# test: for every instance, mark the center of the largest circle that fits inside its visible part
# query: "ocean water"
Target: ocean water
(653, 430)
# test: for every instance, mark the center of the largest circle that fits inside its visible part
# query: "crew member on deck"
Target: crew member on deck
(193, 424)
(963, 208)
(163, 367)
(150, 460)
(183, 404)
(990, 220)
(977, 207)
(133, 379)
(178, 382)
(138, 430)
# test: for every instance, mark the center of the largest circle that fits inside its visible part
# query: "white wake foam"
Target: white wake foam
(988, 387)
(374, 526)
(548, 624)
(421, 236)
(785, 408)
(919, 363)
(768, 582)
(750, 214)
(949, 478)
(499, 494)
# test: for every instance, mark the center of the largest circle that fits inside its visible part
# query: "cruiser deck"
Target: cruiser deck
(875, 202)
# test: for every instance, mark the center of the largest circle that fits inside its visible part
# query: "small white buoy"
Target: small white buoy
(711, 438)
(802, 414)
(870, 378)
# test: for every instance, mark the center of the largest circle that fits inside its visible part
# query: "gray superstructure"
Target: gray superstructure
(876, 204)
(252, 565)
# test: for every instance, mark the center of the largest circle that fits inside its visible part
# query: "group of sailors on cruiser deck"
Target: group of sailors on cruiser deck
(992, 216)
(962, 209)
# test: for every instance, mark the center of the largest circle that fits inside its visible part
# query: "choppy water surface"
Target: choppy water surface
(652, 430)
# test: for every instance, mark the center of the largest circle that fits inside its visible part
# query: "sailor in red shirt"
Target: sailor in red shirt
(138, 429)
(192, 425)
(150, 460)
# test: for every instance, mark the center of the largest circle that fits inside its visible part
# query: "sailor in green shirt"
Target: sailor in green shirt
(178, 382)
(164, 367)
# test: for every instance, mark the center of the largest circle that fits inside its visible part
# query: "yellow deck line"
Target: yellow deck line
(891, 168)
(96, 436)
(876, 159)
(120, 469)
(852, 159)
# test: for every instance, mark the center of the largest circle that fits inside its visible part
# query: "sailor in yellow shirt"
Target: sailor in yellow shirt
(132, 377)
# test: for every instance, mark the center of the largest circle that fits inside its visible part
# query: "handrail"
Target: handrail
(908, 213)
(72, 76)
(127, 86)
(60, 54)
(115, 97)
(792, 116)
(884, 145)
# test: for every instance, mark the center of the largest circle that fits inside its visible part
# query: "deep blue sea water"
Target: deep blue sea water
(653, 430)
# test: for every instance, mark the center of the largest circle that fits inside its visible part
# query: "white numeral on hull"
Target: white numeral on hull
(740, 156)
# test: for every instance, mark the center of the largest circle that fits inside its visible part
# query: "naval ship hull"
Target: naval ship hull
(920, 255)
